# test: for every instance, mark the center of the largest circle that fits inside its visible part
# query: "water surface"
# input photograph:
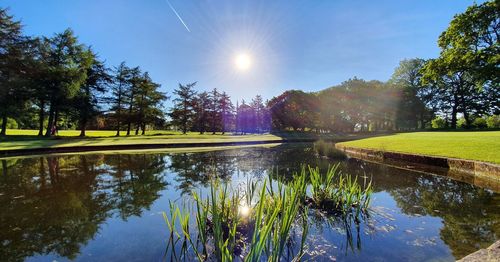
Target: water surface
(107, 207)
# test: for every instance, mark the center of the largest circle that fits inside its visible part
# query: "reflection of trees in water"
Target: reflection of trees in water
(136, 183)
(56, 204)
(349, 226)
(196, 169)
(471, 216)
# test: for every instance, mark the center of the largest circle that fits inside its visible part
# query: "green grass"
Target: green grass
(482, 146)
(25, 139)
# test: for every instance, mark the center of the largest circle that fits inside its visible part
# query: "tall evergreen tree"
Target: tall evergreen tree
(201, 108)
(86, 102)
(121, 83)
(214, 110)
(226, 110)
(148, 103)
(182, 113)
(66, 63)
(13, 68)
(131, 96)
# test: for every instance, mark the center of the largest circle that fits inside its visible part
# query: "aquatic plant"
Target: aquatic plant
(257, 222)
(338, 192)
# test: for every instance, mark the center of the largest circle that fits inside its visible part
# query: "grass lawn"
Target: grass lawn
(25, 139)
(483, 146)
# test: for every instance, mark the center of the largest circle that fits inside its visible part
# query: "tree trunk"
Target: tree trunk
(83, 127)
(4, 124)
(467, 118)
(4, 167)
(454, 117)
(48, 132)
(143, 129)
(41, 117)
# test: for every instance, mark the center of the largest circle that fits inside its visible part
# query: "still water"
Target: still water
(108, 207)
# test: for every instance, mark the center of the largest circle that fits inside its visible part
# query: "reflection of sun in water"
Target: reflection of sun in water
(243, 61)
(244, 210)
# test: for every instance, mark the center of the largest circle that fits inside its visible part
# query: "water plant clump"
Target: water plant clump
(260, 221)
(327, 149)
(337, 192)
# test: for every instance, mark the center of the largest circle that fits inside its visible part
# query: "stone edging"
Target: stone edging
(480, 169)
(490, 254)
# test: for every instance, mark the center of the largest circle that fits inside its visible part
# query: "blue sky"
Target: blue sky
(308, 45)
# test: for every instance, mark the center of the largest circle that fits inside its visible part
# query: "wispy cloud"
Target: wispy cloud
(178, 16)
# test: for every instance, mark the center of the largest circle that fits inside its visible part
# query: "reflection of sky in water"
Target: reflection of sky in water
(414, 217)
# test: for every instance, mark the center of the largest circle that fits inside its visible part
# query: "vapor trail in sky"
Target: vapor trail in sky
(178, 16)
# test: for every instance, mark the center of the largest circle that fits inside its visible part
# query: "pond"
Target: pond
(108, 206)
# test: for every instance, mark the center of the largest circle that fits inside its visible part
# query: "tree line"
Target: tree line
(47, 82)
(58, 81)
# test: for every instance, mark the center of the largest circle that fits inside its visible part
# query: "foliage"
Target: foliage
(438, 122)
(259, 222)
(10, 123)
(480, 122)
(493, 121)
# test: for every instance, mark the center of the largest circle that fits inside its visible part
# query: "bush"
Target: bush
(479, 123)
(11, 123)
(438, 122)
(461, 123)
(493, 121)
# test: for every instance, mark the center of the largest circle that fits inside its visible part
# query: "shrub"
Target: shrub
(493, 121)
(461, 123)
(438, 122)
(480, 123)
(11, 123)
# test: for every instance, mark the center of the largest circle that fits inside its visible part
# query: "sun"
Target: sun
(243, 62)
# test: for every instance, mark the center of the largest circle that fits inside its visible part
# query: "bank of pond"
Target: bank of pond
(280, 202)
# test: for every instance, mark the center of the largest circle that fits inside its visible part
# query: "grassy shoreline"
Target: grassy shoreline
(27, 139)
(480, 146)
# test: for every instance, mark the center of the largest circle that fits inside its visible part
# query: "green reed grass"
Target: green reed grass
(275, 208)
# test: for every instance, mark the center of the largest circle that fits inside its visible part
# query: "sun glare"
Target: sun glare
(243, 62)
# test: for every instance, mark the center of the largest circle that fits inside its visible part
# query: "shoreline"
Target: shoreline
(483, 174)
(142, 146)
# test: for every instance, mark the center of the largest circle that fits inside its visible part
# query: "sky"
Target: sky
(308, 45)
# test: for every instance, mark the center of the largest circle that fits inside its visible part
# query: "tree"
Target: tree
(121, 83)
(13, 67)
(201, 106)
(148, 103)
(468, 67)
(130, 94)
(258, 107)
(182, 113)
(226, 110)
(86, 101)
(214, 112)
(66, 62)
(412, 111)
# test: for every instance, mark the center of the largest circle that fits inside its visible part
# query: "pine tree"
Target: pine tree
(121, 83)
(226, 110)
(86, 101)
(182, 113)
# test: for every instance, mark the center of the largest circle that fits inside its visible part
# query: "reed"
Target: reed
(337, 192)
(256, 223)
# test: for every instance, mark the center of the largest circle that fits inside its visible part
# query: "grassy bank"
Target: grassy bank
(27, 139)
(482, 146)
